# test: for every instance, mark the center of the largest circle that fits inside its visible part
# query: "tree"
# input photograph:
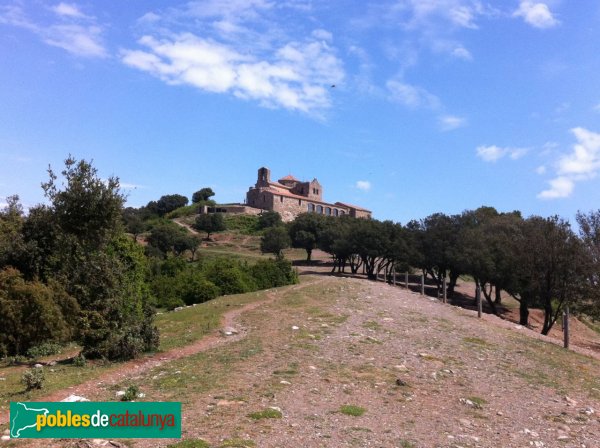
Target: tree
(210, 223)
(169, 237)
(551, 268)
(589, 230)
(167, 204)
(274, 241)
(269, 219)
(202, 195)
(134, 222)
(97, 263)
(305, 231)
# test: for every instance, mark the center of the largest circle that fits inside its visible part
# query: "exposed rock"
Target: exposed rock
(570, 401)
(401, 368)
(228, 331)
(295, 327)
(400, 382)
(74, 398)
(119, 393)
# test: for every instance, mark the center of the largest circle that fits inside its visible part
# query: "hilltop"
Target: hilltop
(346, 362)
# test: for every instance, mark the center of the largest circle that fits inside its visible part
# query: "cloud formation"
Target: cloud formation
(493, 153)
(240, 50)
(363, 185)
(411, 96)
(68, 28)
(582, 163)
(296, 76)
(536, 14)
(451, 122)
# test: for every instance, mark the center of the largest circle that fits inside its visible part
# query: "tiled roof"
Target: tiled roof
(356, 207)
(289, 177)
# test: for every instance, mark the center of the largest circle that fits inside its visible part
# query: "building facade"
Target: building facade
(291, 197)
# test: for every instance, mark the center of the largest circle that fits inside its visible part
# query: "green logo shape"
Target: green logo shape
(97, 420)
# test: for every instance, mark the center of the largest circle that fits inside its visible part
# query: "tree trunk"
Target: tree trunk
(524, 311)
(452, 284)
(547, 317)
(488, 297)
(498, 300)
(308, 254)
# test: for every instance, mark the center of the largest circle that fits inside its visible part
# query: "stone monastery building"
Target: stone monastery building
(290, 197)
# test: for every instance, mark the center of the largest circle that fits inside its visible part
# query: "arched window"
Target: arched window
(311, 207)
(320, 209)
(336, 212)
(342, 212)
(328, 211)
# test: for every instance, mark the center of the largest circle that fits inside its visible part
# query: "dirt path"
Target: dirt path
(138, 366)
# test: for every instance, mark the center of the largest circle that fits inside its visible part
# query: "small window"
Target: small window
(281, 198)
(319, 209)
(342, 212)
(299, 201)
(328, 211)
(311, 207)
(336, 212)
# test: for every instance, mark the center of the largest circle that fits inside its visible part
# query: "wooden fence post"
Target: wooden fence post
(444, 298)
(422, 284)
(394, 275)
(566, 326)
(478, 299)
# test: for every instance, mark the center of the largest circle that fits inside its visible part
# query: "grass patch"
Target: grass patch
(237, 443)
(407, 444)
(479, 402)
(266, 413)
(476, 341)
(190, 444)
(354, 411)
(372, 325)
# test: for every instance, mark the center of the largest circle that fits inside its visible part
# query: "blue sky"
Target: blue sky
(406, 107)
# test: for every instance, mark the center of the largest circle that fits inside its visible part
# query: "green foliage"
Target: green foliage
(79, 360)
(131, 393)
(273, 273)
(199, 443)
(266, 413)
(230, 276)
(355, 411)
(202, 195)
(44, 349)
(274, 241)
(269, 219)
(167, 204)
(33, 378)
(306, 230)
(244, 224)
(210, 223)
(32, 313)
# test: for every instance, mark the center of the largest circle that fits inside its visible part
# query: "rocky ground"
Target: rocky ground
(340, 362)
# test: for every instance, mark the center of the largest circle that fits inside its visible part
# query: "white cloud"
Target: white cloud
(462, 53)
(596, 108)
(536, 14)
(322, 35)
(67, 9)
(296, 76)
(493, 153)
(541, 169)
(459, 13)
(75, 32)
(363, 185)
(451, 122)
(79, 40)
(582, 163)
(412, 96)
(560, 187)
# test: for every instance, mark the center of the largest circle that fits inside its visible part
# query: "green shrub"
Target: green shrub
(267, 413)
(354, 411)
(32, 313)
(33, 378)
(44, 349)
(230, 276)
(131, 393)
(272, 273)
(79, 360)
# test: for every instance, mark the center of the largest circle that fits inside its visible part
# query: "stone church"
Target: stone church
(290, 197)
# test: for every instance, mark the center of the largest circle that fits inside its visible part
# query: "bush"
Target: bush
(229, 276)
(269, 219)
(79, 360)
(272, 273)
(32, 313)
(44, 349)
(33, 378)
(131, 393)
